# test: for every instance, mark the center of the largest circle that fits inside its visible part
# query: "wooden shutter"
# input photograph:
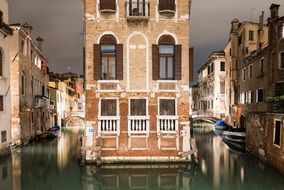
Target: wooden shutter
(119, 61)
(155, 62)
(1, 103)
(191, 64)
(177, 62)
(167, 5)
(107, 5)
(97, 62)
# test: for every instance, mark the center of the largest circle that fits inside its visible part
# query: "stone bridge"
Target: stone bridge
(77, 114)
(205, 118)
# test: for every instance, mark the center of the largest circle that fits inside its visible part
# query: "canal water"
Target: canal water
(52, 166)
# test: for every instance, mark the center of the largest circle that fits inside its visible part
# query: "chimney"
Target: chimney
(234, 25)
(274, 8)
(28, 28)
(39, 43)
(260, 31)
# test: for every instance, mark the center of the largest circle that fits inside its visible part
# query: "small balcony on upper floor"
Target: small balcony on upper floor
(137, 10)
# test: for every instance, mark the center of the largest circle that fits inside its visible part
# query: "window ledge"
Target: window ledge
(167, 11)
(137, 18)
(167, 81)
(107, 11)
(108, 81)
(276, 146)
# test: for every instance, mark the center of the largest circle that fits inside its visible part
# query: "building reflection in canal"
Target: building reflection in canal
(52, 165)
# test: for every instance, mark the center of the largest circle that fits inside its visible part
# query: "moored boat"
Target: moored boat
(235, 135)
(220, 125)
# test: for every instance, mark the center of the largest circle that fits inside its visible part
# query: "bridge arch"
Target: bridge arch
(72, 117)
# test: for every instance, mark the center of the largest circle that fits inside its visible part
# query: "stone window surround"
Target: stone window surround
(256, 95)
(109, 98)
(281, 126)
(167, 98)
(280, 60)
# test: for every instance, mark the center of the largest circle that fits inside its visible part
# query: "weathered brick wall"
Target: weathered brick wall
(137, 38)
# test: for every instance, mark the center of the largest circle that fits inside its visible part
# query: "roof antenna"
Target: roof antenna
(252, 9)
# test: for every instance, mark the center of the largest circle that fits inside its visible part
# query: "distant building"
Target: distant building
(29, 85)
(67, 97)
(194, 99)
(137, 73)
(5, 92)
(245, 38)
(211, 83)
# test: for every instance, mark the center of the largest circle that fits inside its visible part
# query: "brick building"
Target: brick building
(245, 38)
(264, 112)
(137, 75)
(5, 93)
(29, 86)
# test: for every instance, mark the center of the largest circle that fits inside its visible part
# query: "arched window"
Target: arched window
(108, 59)
(166, 59)
(1, 63)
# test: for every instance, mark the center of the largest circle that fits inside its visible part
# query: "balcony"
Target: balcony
(138, 125)
(167, 124)
(108, 125)
(276, 104)
(138, 10)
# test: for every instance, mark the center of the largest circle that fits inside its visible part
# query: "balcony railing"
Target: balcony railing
(138, 10)
(167, 124)
(138, 125)
(108, 125)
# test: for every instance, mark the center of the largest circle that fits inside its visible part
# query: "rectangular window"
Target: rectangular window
(281, 62)
(259, 95)
(108, 107)
(1, 103)
(167, 5)
(282, 31)
(108, 62)
(244, 74)
(138, 8)
(222, 87)
(251, 35)
(166, 66)
(3, 136)
(250, 71)
(107, 5)
(222, 66)
(249, 97)
(240, 40)
(4, 173)
(279, 89)
(23, 83)
(167, 107)
(261, 65)
(138, 107)
(277, 132)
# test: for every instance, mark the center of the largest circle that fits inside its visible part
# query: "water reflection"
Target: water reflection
(52, 165)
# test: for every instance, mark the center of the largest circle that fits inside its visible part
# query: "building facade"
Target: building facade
(137, 78)
(263, 113)
(211, 83)
(67, 98)
(29, 86)
(5, 93)
(245, 38)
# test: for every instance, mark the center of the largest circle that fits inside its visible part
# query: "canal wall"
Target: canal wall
(260, 139)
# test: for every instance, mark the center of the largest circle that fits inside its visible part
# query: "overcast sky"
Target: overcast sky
(59, 23)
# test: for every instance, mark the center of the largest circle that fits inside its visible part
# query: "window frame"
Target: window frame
(2, 103)
(108, 55)
(166, 40)
(23, 83)
(251, 35)
(117, 106)
(256, 96)
(221, 67)
(274, 130)
(280, 60)
(107, 9)
(167, 98)
(250, 71)
(164, 10)
(3, 140)
(244, 74)
(138, 98)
